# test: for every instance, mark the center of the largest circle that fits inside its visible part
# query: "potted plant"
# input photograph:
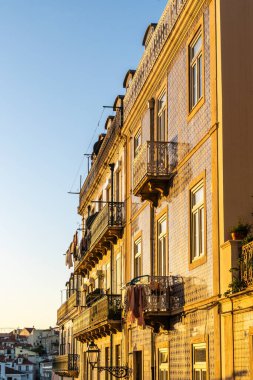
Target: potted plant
(240, 231)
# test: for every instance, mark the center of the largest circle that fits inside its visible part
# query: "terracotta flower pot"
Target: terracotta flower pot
(238, 235)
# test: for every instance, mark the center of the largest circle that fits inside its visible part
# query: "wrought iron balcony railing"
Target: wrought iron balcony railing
(162, 295)
(103, 317)
(68, 307)
(66, 365)
(152, 168)
(246, 264)
(110, 217)
(107, 226)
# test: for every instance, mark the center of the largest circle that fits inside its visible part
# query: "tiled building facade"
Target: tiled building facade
(170, 176)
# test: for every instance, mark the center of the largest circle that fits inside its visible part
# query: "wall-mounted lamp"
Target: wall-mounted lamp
(117, 371)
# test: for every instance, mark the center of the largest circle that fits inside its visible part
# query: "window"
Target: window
(161, 120)
(199, 361)
(162, 246)
(137, 142)
(137, 258)
(107, 278)
(27, 368)
(137, 359)
(108, 193)
(117, 355)
(100, 202)
(197, 221)
(196, 69)
(118, 274)
(118, 186)
(163, 366)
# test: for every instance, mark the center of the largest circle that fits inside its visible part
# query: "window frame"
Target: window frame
(199, 182)
(162, 366)
(199, 365)
(137, 142)
(161, 217)
(138, 255)
(118, 274)
(161, 112)
(197, 32)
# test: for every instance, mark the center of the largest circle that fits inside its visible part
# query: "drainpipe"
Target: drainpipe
(151, 106)
(112, 192)
(112, 253)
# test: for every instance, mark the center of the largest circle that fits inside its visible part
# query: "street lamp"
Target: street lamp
(116, 371)
(92, 353)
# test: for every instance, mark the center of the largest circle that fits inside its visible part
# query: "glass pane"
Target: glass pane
(200, 75)
(164, 356)
(203, 375)
(198, 196)
(161, 102)
(194, 85)
(195, 235)
(197, 46)
(201, 230)
(199, 355)
(162, 227)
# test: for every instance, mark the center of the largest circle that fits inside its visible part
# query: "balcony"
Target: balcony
(66, 365)
(68, 308)
(101, 319)
(153, 168)
(246, 264)
(162, 296)
(105, 229)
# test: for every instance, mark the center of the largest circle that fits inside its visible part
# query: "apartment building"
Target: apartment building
(169, 178)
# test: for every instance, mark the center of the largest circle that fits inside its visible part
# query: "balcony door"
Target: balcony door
(162, 260)
(138, 365)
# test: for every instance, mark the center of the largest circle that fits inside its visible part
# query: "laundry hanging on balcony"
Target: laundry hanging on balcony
(135, 303)
(69, 261)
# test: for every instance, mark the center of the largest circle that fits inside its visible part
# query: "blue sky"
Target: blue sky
(60, 62)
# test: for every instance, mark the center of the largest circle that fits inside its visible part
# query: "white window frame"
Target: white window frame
(138, 256)
(163, 367)
(199, 367)
(197, 223)
(196, 70)
(161, 117)
(162, 241)
(137, 142)
(118, 273)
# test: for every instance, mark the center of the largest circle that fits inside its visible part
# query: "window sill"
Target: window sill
(195, 109)
(197, 262)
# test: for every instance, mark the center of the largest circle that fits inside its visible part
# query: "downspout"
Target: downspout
(111, 219)
(151, 106)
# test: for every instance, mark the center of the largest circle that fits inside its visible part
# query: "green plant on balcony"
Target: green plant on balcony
(240, 230)
(247, 239)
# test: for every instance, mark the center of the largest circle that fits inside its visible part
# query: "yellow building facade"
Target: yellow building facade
(153, 286)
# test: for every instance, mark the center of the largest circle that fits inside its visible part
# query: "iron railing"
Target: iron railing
(108, 142)
(105, 309)
(161, 293)
(111, 215)
(246, 264)
(154, 159)
(72, 302)
(66, 363)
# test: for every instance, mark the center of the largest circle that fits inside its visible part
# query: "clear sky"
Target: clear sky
(60, 62)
